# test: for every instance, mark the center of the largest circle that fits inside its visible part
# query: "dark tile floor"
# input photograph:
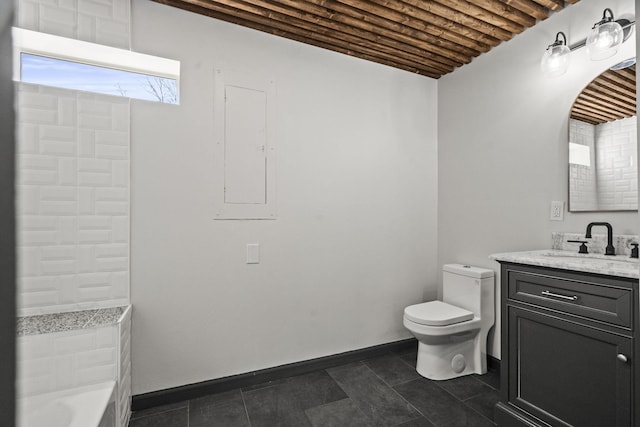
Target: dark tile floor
(383, 391)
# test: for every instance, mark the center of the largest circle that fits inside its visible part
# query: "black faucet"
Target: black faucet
(610, 250)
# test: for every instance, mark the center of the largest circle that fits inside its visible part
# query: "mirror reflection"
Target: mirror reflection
(603, 172)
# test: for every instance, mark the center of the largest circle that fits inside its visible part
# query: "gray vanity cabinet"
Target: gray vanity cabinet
(568, 356)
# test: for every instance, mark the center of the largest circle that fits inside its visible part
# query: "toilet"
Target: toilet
(452, 333)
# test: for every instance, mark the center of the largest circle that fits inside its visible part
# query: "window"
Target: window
(73, 64)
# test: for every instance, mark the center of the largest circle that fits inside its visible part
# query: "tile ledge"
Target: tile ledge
(69, 321)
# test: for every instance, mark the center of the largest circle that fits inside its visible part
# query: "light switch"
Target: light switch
(253, 253)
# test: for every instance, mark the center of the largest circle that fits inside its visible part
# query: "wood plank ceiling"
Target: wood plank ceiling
(428, 37)
(610, 96)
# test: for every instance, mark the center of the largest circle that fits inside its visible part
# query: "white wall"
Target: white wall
(503, 144)
(355, 239)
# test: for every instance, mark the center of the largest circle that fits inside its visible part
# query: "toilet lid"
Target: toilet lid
(437, 313)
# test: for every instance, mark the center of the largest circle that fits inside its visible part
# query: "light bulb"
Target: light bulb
(555, 60)
(604, 39)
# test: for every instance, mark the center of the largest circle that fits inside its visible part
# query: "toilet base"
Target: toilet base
(455, 359)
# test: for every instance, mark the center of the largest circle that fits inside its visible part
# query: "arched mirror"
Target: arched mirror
(603, 166)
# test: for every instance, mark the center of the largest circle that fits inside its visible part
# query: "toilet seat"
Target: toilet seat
(437, 313)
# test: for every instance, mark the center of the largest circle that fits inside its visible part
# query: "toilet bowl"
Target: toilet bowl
(452, 333)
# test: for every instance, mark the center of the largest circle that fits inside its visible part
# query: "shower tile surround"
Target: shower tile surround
(61, 351)
(73, 200)
(73, 216)
(104, 22)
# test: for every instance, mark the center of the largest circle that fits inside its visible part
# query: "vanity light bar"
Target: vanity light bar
(603, 41)
(583, 43)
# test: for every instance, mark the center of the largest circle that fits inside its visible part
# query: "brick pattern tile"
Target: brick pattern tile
(73, 200)
(98, 21)
(63, 360)
(613, 174)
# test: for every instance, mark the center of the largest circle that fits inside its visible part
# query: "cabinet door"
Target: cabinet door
(568, 374)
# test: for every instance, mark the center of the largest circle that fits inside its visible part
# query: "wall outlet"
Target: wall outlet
(557, 211)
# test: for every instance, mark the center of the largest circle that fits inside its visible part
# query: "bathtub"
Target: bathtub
(90, 406)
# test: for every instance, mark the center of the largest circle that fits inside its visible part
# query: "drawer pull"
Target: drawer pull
(621, 357)
(551, 294)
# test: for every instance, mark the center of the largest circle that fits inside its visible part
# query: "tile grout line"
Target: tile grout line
(456, 397)
(158, 413)
(399, 395)
(362, 362)
(244, 404)
(464, 401)
(482, 415)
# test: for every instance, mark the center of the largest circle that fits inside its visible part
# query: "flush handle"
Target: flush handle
(621, 357)
(565, 297)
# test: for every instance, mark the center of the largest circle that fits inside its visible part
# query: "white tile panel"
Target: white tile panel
(120, 171)
(108, 151)
(28, 135)
(103, 22)
(120, 229)
(74, 342)
(69, 359)
(70, 197)
(67, 171)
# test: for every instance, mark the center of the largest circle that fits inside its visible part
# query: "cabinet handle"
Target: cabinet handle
(551, 294)
(621, 357)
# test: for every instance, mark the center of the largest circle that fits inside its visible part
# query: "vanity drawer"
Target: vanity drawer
(603, 302)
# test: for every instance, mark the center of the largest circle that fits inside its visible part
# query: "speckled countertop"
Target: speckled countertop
(618, 265)
(72, 320)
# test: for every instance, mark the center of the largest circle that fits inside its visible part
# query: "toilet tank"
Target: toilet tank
(468, 287)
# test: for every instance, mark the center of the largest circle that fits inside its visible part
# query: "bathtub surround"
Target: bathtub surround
(7, 219)
(73, 200)
(73, 175)
(64, 351)
(70, 320)
(87, 406)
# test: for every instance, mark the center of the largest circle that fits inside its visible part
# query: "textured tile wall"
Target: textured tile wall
(73, 200)
(611, 182)
(104, 22)
(124, 369)
(63, 360)
(617, 160)
(583, 178)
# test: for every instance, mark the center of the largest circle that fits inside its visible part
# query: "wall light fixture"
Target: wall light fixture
(605, 37)
(555, 60)
(603, 42)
